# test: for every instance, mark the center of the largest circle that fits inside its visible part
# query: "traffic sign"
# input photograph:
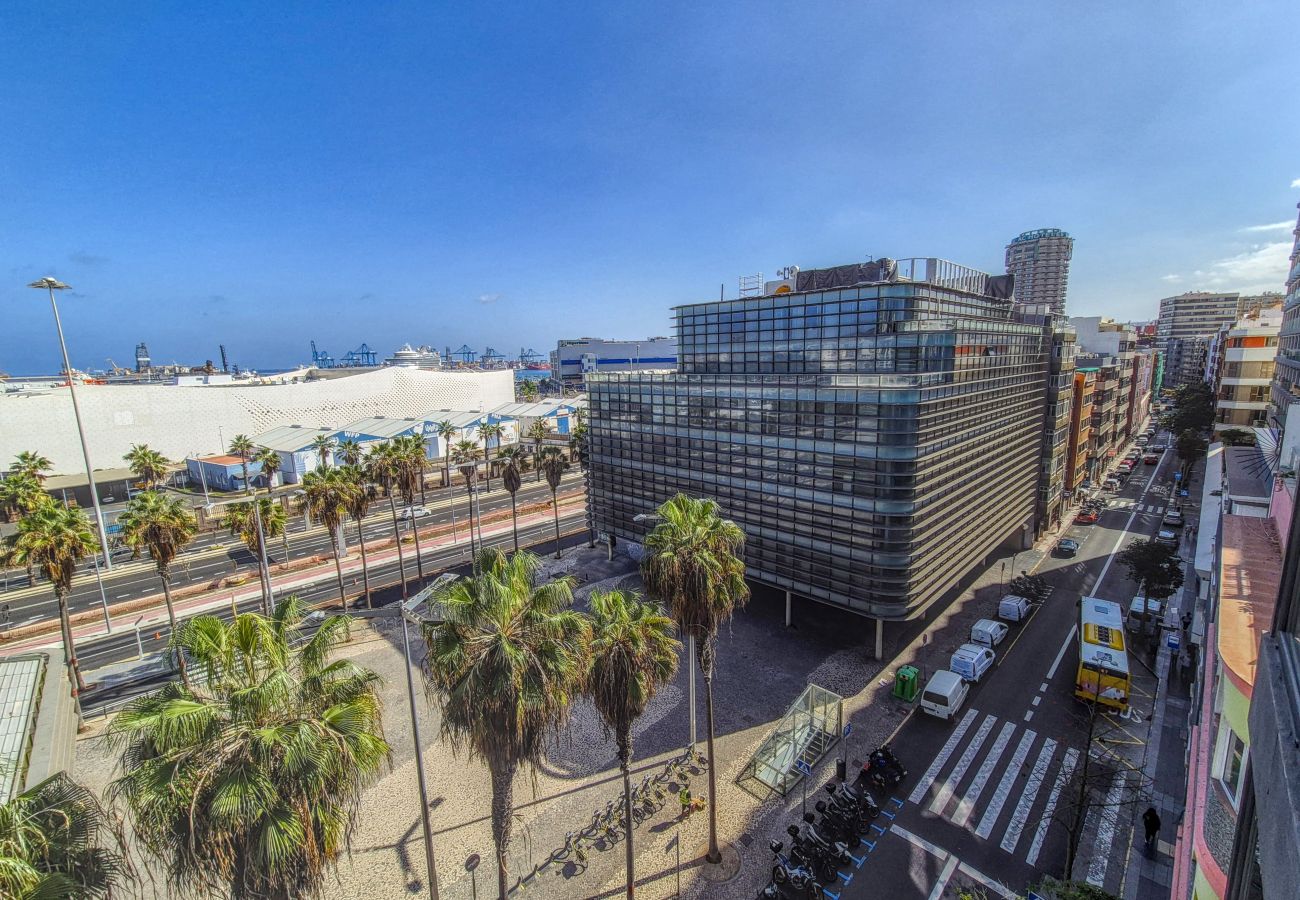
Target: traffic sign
(1178, 476)
(802, 768)
(848, 729)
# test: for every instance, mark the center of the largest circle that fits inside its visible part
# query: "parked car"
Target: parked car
(1012, 608)
(1141, 440)
(1167, 537)
(988, 633)
(1086, 517)
(944, 694)
(971, 661)
(1112, 484)
(413, 512)
(1173, 518)
(1151, 459)
(1067, 547)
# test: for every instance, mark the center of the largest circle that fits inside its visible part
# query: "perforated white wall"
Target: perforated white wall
(178, 421)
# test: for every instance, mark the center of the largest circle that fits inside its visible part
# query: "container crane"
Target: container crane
(490, 357)
(465, 355)
(529, 356)
(362, 356)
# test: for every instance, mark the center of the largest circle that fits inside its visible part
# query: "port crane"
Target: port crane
(490, 357)
(321, 359)
(529, 356)
(466, 355)
(362, 356)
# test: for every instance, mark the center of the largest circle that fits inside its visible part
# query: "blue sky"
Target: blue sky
(260, 175)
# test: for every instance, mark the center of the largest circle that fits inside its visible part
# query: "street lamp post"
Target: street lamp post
(409, 616)
(52, 285)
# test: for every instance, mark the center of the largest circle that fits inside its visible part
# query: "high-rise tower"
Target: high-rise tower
(1040, 260)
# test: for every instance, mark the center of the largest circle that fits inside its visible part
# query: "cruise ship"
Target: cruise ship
(422, 357)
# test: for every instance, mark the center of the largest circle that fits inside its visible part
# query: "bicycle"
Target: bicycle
(575, 844)
(600, 819)
(609, 834)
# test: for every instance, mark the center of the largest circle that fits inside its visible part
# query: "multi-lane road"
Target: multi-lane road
(983, 805)
(216, 554)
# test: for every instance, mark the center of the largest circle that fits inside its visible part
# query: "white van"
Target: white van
(988, 632)
(971, 661)
(944, 694)
(1013, 609)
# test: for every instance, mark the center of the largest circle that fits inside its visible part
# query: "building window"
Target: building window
(1231, 763)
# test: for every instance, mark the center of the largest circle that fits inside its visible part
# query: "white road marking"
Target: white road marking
(959, 771)
(1036, 701)
(942, 884)
(953, 739)
(991, 883)
(999, 798)
(918, 841)
(944, 856)
(972, 795)
(1070, 760)
(1017, 825)
(1043, 686)
(1104, 847)
(1060, 655)
(1110, 557)
(1029, 716)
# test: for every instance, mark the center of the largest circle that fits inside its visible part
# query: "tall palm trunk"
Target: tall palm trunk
(69, 648)
(422, 497)
(248, 489)
(469, 492)
(338, 565)
(514, 520)
(503, 807)
(365, 570)
(446, 469)
(706, 668)
(555, 507)
(397, 537)
(625, 764)
(419, 562)
(166, 579)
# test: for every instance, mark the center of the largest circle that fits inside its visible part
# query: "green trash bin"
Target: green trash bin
(906, 683)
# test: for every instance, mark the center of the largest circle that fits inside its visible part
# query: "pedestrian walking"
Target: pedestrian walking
(1151, 822)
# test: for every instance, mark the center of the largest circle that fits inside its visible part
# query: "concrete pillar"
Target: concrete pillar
(787, 609)
(880, 638)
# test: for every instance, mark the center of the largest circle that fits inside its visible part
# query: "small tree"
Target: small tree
(1155, 567)
(147, 464)
(1191, 447)
(242, 446)
(270, 461)
(1236, 437)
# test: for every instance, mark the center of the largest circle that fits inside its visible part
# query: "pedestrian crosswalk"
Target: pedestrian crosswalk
(1144, 508)
(1010, 785)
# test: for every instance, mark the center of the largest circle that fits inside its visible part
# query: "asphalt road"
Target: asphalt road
(385, 588)
(978, 803)
(217, 554)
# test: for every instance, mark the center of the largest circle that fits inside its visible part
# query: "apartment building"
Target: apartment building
(1060, 346)
(1240, 368)
(875, 429)
(1078, 469)
(1186, 323)
(1040, 262)
(1286, 378)
(1105, 339)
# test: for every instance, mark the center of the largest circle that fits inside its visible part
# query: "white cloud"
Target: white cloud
(1276, 226)
(1296, 183)
(1171, 278)
(1262, 268)
(488, 298)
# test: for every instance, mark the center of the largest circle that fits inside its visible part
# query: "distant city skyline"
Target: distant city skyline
(262, 179)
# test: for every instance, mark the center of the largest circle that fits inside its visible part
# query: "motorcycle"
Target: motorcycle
(887, 755)
(891, 773)
(786, 871)
(856, 802)
(808, 855)
(833, 849)
(838, 825)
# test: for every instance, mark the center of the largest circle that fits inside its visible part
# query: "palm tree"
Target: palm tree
(446, 431)
(349, 452)
(358, 505)
(384, 467)
(270, 461)
(328, 493)
(511, 459)
(553, 466)
(56, 841)
(249, 785)
(489, 432)
(528, 390)
(162, 524)
(242, 446)
(465, 456)
(692, 565)
(148, 465)
(633, 654)
(505, 663)
(54, 538)
(322, 444)
(537, 433)
(32, 463)
(409, 450)
(20, 493)
(241, 519)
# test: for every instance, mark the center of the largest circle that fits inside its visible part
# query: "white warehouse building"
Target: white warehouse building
(179, 421)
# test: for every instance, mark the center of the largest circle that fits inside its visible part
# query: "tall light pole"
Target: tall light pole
(52, 285)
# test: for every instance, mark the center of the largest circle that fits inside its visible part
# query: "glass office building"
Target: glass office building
(875, 438)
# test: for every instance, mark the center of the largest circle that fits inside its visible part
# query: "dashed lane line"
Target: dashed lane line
(1068, 763)
(967, 804)
(939, 761)
(1060, 655)
(1027, 797)
(954, 778)
(1003, 790)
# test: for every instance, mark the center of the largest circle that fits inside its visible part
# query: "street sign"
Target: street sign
(1178, 476)
(848, 729)
(1033, 896)
(1172, 641)
(802, 768)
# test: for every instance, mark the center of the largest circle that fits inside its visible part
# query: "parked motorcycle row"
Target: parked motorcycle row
(823, 843)
(1031, 587)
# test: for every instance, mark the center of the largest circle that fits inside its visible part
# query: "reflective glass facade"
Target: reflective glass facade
(874, 442)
